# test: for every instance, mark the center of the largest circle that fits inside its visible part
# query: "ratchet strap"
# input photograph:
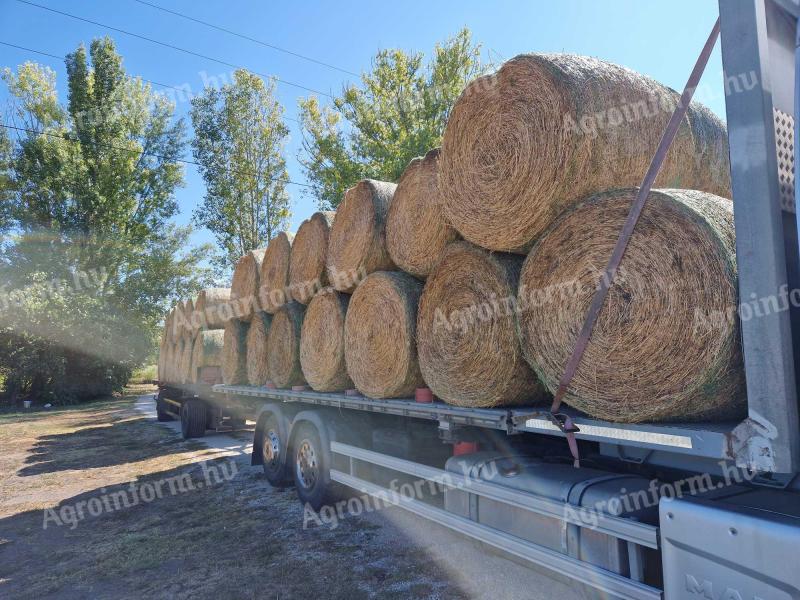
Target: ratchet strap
(560, 420)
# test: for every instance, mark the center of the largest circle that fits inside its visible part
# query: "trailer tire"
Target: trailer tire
(274, 450)
(161, 410)
(311, 463)
(193, 418)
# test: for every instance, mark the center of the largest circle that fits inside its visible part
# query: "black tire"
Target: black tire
(193, 419)
(311, 467)
(161, 410)
(274, 451)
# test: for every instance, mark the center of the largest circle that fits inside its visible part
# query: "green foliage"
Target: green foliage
(399, 112)
(91, 260)
(239, 143)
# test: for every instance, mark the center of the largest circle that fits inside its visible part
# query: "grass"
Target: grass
(144, 374)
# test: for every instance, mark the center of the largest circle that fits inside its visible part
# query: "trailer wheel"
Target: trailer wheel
(273, 451)
(193, 419)
(311, 467)
(161, 410)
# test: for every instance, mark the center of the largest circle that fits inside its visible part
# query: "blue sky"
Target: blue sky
(658, 38)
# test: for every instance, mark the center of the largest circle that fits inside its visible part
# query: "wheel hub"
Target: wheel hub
(272, 448)
(306, 465)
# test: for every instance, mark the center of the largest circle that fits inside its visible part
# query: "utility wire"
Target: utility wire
(66, 137)
(246, 37)
(173, 47)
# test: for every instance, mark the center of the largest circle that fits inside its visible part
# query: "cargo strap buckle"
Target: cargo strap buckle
(563, 422)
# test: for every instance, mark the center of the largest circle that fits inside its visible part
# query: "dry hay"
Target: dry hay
(307, 274)
(283, 346)
(274, 291)
(380, 335)
(524, 144)
(257, 349)
(185, 367)
(322, 342)
(234, 353)
(169, 354)
(469, 353)
(207, 351)
(666, 344)
(416, 229)
(213, 307)
(357, 241)
(245, 285)
(176, 325)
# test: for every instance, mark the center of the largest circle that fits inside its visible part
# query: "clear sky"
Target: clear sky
(658, 38)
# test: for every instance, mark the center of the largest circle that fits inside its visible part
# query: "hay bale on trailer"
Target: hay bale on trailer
(322, 342)
(234, 353)
(207, 351)
(416, 229)
(185, 365)
(307, 274)
(357, 240)
(469, 353)
(666, 343)
(380, 335)
(245, 285)
(525, 143)
(213, 307)
(274, 280)
(256, 344)
(283, 346)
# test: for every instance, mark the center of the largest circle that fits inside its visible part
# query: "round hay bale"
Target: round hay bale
(245, 285)
(257, 349)
(380, 335)
(207, 351)
(274, 292)
(191, 323)
(176, 327)
(168, 325)
(283, 346)
(213, 307)
(185, 365)
(322, 342)
(357, 240)
(525, 143)
(469, 353)
(169, 353)
(666, 343)
(234, 353)
(307, 274)
(416, 230)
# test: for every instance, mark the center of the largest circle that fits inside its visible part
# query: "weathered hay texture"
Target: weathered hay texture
(191, 323)
(322, 342)
(283, 346)
(274, 292)
(666, 344)
(234, 353)
(416, 229)
(213, 308)
(207, 351)
(380, 335)
(162, 349)
(168, 325)
(178, 320)
(357, 241)
(185, 365)
(169, 354)
(525, 143)
(469, 353)
(307, 274)
(245, 285)
(257, 349)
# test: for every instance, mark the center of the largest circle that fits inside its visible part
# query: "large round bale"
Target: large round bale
(169, 356)
(546, 130)
(257, 349)
(207, 351)
(322, 342)
(380, 335)
(234, 353)
(185, 365)
(274, 281)
(283, 346)
(416, 229)
(469, 353)
(666, 343)
(307, 274)
(245, 285)
(178, 321)
(357, 240)
(213, 307)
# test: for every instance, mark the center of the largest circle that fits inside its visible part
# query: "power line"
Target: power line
(173, 47)
(246, 37)
(67, 138)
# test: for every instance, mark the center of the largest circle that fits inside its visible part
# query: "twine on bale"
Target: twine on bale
(380, 335)
(274, 291)
(546, 130)
(322, 342)
(234, 353)
(245, 285)
(257, 349)
(357, 239)
(283, 346)
(307, 274)
(207, 351)
(666, 344)
(213, 307)
(468, 347)
(416, 229)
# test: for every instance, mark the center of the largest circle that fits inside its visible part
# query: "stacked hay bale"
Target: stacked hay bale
(207, 353)
(283, 346)
(307, 273)
(274, 277)
(234, 353)
(322, 356)
(256, 348)
(245, 285)
(214, 307)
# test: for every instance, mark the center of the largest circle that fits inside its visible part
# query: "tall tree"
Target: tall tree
(398, 113)
(239, 143)
(93, 259)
